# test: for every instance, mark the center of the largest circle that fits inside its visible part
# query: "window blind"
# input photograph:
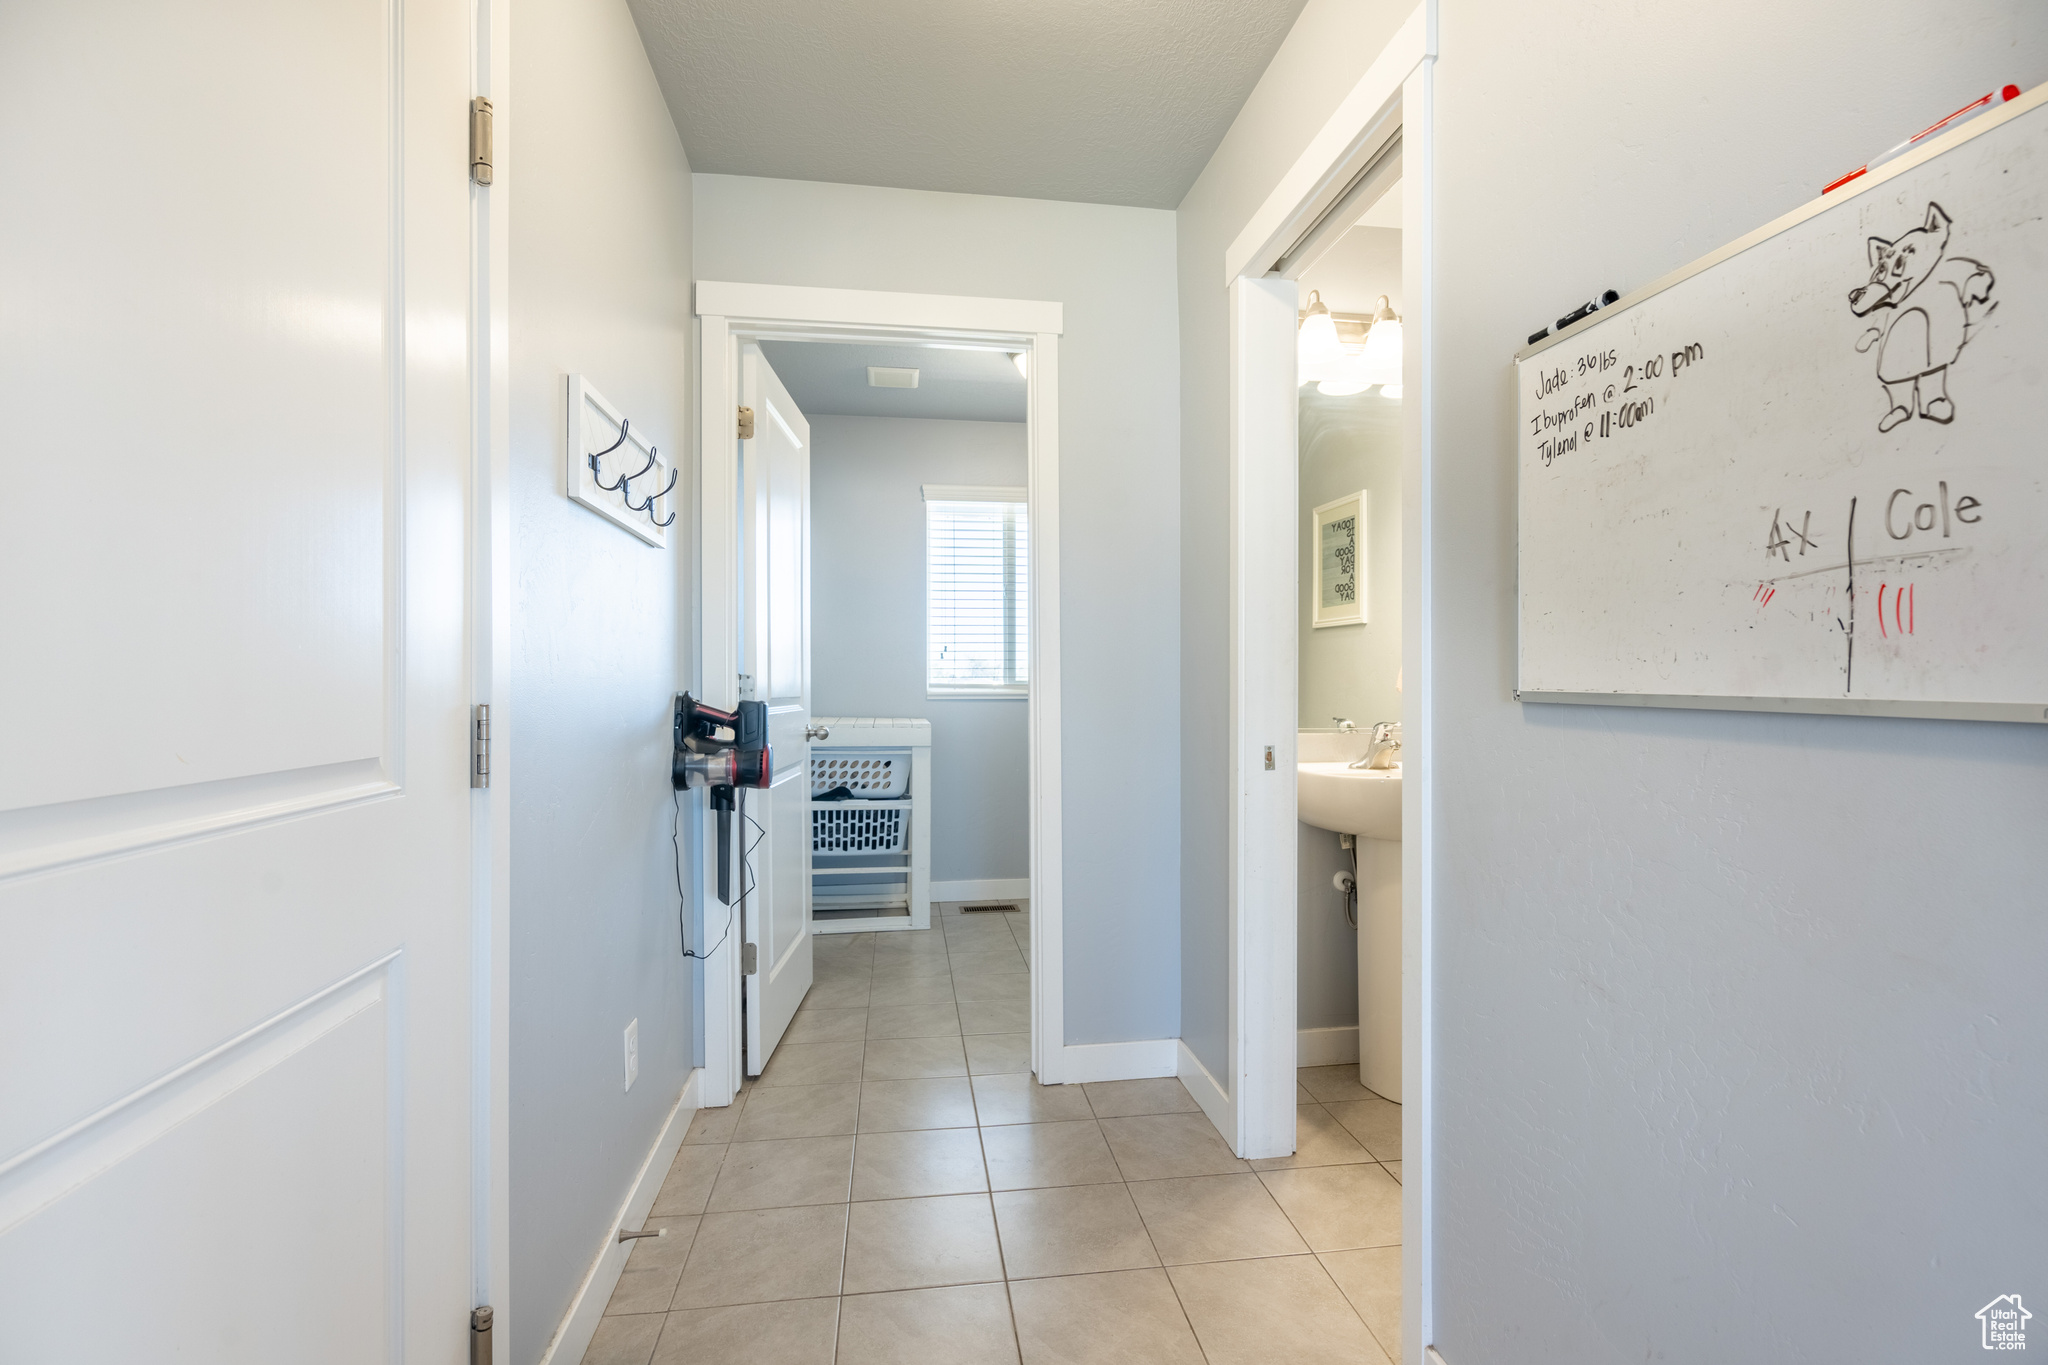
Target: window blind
(977, 571)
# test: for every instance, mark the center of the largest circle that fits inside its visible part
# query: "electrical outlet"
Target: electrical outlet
(632, 1053)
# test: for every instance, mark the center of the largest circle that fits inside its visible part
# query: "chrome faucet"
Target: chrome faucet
(1344, 726)
(1386, 739)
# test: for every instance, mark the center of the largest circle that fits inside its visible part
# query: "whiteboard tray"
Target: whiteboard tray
(1813, 706)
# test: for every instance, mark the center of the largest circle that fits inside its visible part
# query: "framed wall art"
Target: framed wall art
(1339, 543)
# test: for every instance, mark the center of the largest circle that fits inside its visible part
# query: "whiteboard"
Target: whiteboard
(1810, 471)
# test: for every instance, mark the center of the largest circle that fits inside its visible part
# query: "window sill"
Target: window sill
(977, 693)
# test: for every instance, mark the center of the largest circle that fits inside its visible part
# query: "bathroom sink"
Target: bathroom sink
(1361, 801)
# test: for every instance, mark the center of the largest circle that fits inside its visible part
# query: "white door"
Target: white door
(235, 1119)
(775, 498)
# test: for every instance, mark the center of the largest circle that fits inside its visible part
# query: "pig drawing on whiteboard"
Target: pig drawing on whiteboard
(1935, 300)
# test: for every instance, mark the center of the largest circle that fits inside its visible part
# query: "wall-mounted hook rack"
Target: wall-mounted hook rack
(603, 452)
(596, 460)
(647, 505)
(653, 456)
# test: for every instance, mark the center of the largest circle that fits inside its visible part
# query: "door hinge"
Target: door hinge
(480, 140)
(746, 424)
(748, 957)
(480, 747)
(480, 1335)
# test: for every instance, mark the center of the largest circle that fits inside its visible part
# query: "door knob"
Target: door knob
(817, 732)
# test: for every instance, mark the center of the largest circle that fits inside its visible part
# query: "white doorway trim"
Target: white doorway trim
(730, 314)
(1387, 113)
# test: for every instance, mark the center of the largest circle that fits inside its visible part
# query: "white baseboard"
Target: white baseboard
(995, 889)
(1211, 1096)
(879, 925)
(579, 1324)
(1326, 1046)
(1143, 1060)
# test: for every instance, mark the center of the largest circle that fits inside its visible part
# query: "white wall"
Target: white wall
(868, 620)
(1120, 546)
(1740, 1017)
(600, 268)
(1326, 52)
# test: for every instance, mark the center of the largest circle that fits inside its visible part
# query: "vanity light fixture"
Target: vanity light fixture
(1347, 374)
(1382, 359)
(1316, 343)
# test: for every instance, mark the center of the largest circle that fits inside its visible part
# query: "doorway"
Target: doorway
(757, 325)
(1351, 753)
(1384, 128)
(884, 544)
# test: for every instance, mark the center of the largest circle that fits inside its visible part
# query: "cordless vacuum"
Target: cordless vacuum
(727, 752)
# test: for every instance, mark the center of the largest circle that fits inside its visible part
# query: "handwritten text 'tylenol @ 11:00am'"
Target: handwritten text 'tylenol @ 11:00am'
(1613, 405)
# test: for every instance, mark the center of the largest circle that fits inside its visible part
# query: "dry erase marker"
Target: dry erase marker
(1960, 116)
(1591, 306)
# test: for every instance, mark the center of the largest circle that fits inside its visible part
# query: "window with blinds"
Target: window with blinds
(977, 556)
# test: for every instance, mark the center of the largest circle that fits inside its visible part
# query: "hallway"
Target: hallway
(895, 1188)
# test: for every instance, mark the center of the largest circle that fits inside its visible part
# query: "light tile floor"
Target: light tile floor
(896, 1189)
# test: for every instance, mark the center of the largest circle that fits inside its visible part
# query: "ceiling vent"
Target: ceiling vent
(891, 377)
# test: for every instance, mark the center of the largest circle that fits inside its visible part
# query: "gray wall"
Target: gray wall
(868, 620)
(1328, 50)
(1325, 943)
(1119, 533)
(597, 643)
(1740, 1017)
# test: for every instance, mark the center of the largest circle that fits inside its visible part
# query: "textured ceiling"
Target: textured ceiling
(1108, 103)
(831, 379)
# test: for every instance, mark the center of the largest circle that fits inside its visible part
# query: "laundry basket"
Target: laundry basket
(870, 774)
(858, 827)
(871, 852)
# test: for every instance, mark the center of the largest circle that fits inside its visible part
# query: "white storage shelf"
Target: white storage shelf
(873, 852)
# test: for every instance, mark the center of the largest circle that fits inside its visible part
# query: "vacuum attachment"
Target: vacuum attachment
(724, 752)
(733, 768)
